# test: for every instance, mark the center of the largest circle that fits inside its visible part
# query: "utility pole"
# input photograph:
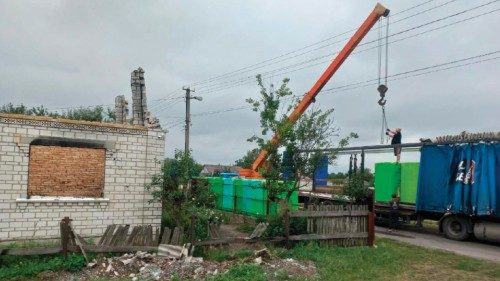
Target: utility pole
(188, 119)
(188, 124)
(188, 98)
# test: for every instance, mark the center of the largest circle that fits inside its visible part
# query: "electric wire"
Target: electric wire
(243, 82)
(314, 44)
(395, 77)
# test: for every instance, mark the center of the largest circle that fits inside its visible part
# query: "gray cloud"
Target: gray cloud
(71, 53)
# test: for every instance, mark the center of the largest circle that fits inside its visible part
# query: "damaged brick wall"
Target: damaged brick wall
(66, 171)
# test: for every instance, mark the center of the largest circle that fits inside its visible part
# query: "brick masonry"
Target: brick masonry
(131, 156)
(66, 171)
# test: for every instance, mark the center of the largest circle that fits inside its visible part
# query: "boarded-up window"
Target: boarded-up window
(66, 171)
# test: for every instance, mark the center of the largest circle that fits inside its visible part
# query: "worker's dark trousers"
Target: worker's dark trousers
(393, 217)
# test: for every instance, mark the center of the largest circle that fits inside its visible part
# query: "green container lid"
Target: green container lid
(387, 181)
(409, 182)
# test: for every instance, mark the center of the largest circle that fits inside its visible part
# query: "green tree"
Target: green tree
(247, 160)
(96, 114)
(178, 202)
(314, 130)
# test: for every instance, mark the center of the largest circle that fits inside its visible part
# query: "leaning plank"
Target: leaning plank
(132, 235)
(310, 214)
(116, 236)
(177, 236)
(109, 235)
(78, 242)
(104, 235)
(165, 239)
(328, 236)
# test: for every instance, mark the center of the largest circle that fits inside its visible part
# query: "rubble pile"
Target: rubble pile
(145, 266)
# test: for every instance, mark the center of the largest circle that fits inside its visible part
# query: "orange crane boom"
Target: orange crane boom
(377, 12)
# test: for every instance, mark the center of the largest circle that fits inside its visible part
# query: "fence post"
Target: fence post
(371, 219)
(287, 226)
(64, 225)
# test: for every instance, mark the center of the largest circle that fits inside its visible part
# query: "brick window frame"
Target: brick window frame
(66, 168)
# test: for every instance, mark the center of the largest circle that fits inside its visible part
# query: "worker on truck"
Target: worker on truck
(396, 141)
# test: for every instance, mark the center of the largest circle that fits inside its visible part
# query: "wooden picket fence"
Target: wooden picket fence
(340, 225)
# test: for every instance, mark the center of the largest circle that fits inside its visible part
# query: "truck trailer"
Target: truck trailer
(457, 185)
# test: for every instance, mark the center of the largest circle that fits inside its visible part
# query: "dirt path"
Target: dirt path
(231, 230)
(473, 249)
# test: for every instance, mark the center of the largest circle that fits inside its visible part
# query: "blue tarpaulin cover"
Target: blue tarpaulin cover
(461, 179)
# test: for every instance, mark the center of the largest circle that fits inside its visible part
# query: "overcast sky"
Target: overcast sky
(78, 53)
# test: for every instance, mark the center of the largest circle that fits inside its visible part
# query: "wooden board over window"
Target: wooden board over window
(66, 171)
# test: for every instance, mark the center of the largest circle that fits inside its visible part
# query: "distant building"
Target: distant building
(211, 170)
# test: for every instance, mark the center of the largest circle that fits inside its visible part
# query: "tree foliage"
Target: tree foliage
(179, 203)
(97, 113)
(247, 160)
(314, 130)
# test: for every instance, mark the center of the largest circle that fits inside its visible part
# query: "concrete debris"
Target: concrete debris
(467, 137)
(128, 261)
(263, 253)
(150, 272)
(174, 251)
(109, 268)
(147, 266)
(259, 230)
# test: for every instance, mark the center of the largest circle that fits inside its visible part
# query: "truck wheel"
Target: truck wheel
(455, 228)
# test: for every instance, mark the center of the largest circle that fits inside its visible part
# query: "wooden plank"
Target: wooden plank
(32, 251)
(327, 236)
(118, 249)
(175, 236)
(157, 236)
(165, 239)
(325, 214)
(132, 235)
(103, 237)
(109, 236)
(78, 243)
(122, 239)
(116, 236)
(87, 248)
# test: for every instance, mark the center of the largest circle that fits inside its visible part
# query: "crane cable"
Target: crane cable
(382, 88)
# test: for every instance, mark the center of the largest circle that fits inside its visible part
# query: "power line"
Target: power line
(245, 80)
(394, 77)
(284, 57)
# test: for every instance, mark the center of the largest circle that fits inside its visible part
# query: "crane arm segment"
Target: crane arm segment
(377, 12)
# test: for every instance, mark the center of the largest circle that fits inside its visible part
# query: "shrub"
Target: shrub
(276, 226)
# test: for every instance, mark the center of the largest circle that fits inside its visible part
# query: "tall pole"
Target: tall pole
(188, 119)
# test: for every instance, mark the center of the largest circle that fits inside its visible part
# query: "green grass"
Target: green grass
(242, 272)
(220, 255)
(246, 228)
(17, 266)
(390, 260)
(32, 244)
